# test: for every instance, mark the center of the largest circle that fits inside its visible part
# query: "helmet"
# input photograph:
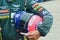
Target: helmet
(26, 22)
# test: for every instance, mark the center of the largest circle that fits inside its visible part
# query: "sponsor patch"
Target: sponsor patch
(40, 9)
(45, 12)
(4, 11)
(15, 5)
(34, 5)
(3, 17)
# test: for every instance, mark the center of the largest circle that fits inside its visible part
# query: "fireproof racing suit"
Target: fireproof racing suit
(8, 8)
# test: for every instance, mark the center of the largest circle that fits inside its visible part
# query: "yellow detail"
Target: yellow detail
(25, 38)
(36, 7)
(3, 17)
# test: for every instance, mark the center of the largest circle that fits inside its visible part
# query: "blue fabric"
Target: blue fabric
(41, 0)
(17, 18)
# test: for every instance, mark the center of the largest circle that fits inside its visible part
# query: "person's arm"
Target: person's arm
(35, 8)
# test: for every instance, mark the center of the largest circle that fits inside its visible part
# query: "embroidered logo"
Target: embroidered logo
(16, 5)
(4, 11)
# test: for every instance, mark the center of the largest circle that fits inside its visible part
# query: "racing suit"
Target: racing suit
(8, 8)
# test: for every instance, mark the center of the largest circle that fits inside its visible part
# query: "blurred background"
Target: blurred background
(54, 7)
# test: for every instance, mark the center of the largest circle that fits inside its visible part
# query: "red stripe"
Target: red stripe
(4, 11)
(34, 5)
(40, 9)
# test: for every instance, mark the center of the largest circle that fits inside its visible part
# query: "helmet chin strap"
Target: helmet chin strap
(10, 0)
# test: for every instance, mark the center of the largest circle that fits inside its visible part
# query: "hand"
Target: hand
(33, 35)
